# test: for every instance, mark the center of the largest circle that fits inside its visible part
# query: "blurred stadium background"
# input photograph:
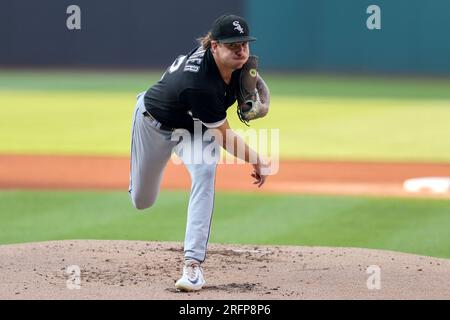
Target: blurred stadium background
(340, 92)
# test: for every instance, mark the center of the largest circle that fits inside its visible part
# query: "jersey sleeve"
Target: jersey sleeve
(205, 107)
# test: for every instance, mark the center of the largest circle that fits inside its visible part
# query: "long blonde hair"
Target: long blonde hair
(205, 41)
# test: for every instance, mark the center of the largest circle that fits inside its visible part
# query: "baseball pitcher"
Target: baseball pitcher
(197, 89)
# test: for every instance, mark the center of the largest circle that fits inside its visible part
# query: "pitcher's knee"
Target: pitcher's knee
(142, 203)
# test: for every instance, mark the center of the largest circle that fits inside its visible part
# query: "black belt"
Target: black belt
(156, 123)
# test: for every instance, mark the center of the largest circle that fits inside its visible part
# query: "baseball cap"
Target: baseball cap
(230, 28)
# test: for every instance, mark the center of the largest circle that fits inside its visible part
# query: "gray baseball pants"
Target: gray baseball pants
(151, 148)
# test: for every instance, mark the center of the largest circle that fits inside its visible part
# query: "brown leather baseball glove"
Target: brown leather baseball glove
(252, 93)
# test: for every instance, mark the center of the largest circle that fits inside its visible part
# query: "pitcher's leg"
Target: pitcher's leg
(202, 169)
(200, 210)
(150, 150)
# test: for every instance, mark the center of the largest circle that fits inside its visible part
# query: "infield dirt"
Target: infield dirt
(148, 270)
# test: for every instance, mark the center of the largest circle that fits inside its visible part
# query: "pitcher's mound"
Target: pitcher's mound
(148, 270)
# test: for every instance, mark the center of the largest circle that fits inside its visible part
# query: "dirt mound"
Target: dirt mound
(148, 270)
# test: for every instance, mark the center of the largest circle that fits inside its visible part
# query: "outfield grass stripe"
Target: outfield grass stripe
(280, 84)
(336, 129)
(409, 225)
